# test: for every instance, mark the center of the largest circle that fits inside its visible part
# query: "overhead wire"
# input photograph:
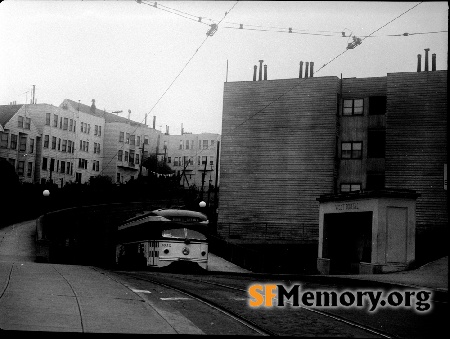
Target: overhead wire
(196, 51)
(322, 67)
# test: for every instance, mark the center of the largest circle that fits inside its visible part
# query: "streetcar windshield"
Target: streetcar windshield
(183, 233)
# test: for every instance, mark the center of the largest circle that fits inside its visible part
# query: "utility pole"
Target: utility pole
(203, 178)
(142, 159)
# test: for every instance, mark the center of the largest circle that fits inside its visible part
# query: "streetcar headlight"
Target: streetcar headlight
(166, 251)
(203, 253)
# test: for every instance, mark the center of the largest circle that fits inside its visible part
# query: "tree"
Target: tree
(158, 166)
(100, 181)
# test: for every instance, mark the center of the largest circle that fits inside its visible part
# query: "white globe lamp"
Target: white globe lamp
(202, 204)
(46, 193)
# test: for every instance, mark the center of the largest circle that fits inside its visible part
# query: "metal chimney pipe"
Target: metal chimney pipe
(254, 72)
(419, 62)
(300, 73)
(426, 59)
(306, 69)
(260, 69)
(311, 69)
(154, 122)
(433, 62)
(265, 72)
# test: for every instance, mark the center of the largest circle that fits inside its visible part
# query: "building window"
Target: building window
(131, 159)
(138, 140)
(145, 155)
(63, 166)
(181, 144)
(52, 164)
(53, 142)
(121, 136)
(89, 129)
(13, 141)
(187, 144)
(211, 160)
(78, 177)
(20, 121)
(118, 177)
(44, 163)
(99, 131)
(29, 169)
(137, 159)
(205, 144)
(96, 130)
(31, 145)
(59, 144)
(66, 124)
(169, 160)
(132, 140)
(212, 143)
(60, 122)
(55, 120)
(46, 140)
(145, 140)
(21, 168)
(353, 107)
(68, 168)
(4, 140)
(69, 146)
(64, 145)
(27, 123)
(350, 187)
(74, 126)
(376, 143)
(127, 138)
(377, 105)
(23, 143)
(71, 125)
(47, 119)
(175, 161)
(97, 166)
(375, 181)
(87, 146)
(126, 156)
(351, 150)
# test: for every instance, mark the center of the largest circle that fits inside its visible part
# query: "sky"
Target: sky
(159, 61)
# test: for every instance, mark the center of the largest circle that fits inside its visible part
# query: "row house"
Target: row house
(193, 157)
(19, 138)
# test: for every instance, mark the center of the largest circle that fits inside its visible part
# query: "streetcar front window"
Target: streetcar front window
(183, 233)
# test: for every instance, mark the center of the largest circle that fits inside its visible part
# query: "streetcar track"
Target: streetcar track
(248, 323)
(322, 313)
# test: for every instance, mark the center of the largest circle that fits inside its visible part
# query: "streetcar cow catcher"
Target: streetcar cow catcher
(163, 237)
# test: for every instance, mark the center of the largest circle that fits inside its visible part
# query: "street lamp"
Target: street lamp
(202, 204)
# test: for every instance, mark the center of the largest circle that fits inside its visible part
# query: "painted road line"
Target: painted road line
(140, 291)
(176, 298)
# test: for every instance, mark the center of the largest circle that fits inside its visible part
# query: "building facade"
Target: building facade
(193, 157)
(287, 142)
(19, 138)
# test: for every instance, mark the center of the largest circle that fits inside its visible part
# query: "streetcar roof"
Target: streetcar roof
(141, 220)
(172, 212)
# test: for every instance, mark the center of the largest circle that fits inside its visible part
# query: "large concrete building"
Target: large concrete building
(287, 142)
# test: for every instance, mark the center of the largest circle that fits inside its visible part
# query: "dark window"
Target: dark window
(23, 143)
(353, 107)
(121, 136)
(30, 169)
(13, 141)
(52, 164)
(66, 124)
(376, 143)
(44, 163)
(53, 142)
(55, 120)
(119, 155)
(21, 168)
(20, 121)
(27, 123)
(46, 140)
(375, 181)
(4, 140)
(377, 105)
(31, 145)
(351, 150)
(47, 119)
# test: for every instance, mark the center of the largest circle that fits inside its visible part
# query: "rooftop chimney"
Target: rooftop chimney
(129, 113)
(182, 129)
(254, 72)
(260, 69)
(300, 73)
(426, 59)
(145, 121)
(265, 72)
(419, 62)
(154, 122)
(306, 69)
(93, 106)
(433, 62)
(311, 69)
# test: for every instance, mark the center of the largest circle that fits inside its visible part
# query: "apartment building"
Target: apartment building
(19, 138)
(125, 143)
(287, 142)
(193, 157)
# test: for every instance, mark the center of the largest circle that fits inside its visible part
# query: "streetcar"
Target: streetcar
(163, 237)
